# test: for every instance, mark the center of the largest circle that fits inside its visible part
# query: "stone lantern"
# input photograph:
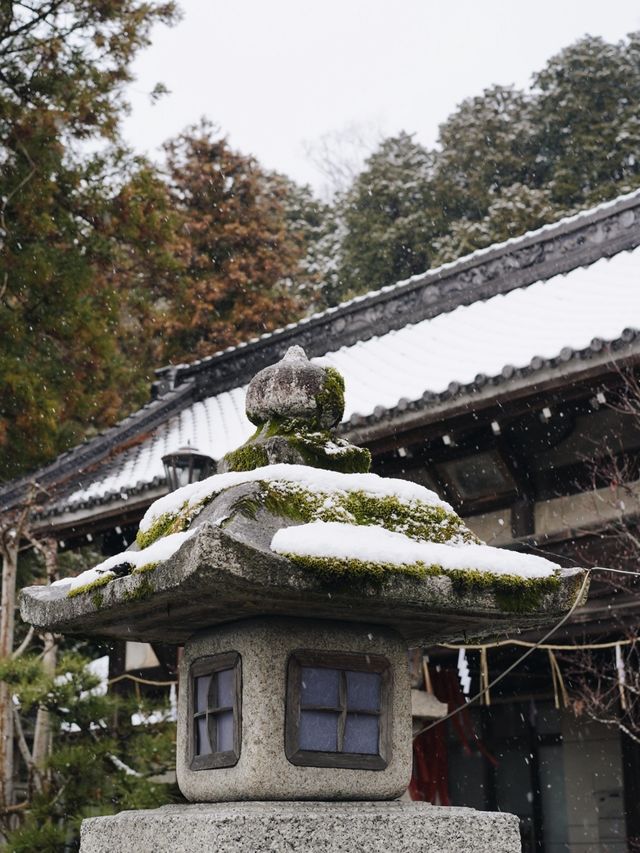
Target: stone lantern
(296, 581)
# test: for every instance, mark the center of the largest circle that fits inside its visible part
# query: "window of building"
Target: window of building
(338, 710)
(215, 711)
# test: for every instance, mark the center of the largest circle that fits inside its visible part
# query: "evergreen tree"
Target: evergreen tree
(391, 215)
(63, 65)
(506, 161)
(485, 146)
(311, 224)
(108, 752)
(511, 212)
(586, 115)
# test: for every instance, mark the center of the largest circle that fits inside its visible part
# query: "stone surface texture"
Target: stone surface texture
(226, 573)
(290, 389)
(296, 405)
(303, 828)
(263, 771)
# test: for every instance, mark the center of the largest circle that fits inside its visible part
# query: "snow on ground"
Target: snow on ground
(376, 545)
(315, 480)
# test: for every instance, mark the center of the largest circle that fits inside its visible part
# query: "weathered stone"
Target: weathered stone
(303, 827)
(292, 388)
(263, 771)
(296, 405)
(228, 573)
(425, 706)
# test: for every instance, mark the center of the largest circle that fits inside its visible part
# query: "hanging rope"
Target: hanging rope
(137, 680)
(575, 647)
(484, 675)
(518, 661)
(560, 694)
(428, 685)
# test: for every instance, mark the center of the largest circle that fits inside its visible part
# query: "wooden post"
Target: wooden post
(42, 731)
(7, 625)
(11, 532)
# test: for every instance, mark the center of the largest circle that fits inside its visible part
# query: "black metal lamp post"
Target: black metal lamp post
(187, 465)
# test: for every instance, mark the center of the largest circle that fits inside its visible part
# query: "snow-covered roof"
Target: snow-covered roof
(534, 302)
(566, 314)
(564, 224)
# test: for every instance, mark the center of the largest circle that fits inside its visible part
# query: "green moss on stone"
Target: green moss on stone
(147, 567)
(142, 591)
(330, 400)
(314, 446)
(331, 568)
(87, 587)
(247, 458)
(96, 599)
(513, 593)
(321, 450)
(279, 426)
(420, 521)
(171, 522)
(162, 526)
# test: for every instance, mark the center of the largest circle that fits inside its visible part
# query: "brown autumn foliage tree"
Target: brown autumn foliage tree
(242, 256)
(143, 264)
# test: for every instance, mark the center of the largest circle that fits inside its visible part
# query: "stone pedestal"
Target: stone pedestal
(303, 827)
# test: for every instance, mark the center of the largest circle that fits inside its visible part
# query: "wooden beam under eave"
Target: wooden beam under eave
(100, 517)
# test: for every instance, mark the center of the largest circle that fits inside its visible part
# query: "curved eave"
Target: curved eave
(570, 370)
(214, 578)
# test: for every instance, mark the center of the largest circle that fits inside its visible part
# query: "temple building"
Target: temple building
(503, 381)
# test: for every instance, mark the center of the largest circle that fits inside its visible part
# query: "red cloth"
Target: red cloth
(430, 778)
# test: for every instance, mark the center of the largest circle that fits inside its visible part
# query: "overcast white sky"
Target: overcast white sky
(274, 74)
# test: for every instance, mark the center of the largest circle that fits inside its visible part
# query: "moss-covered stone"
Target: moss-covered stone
(296, 405)
(330, 400)
(332, 568)
(322, 450)
(96, 599)
(162, 526)
(512, 593)
(247, 458)
(147, 567)
(292, 441)
(87, 587)
(171, 522)
(420, 521)
(140, 592)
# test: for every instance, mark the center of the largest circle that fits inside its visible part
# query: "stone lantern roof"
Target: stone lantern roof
(295, 526)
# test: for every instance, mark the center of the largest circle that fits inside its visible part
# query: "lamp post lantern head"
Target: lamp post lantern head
(187, 465)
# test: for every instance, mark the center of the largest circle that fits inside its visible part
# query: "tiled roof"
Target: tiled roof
(559, 226)
(531, 326)
(561, 315)
(487, 319)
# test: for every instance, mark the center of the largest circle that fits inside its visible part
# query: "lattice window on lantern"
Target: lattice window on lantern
(338, 710)
(215, 706)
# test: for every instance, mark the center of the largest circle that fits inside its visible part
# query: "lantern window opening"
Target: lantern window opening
(338, 710)
(215, 711)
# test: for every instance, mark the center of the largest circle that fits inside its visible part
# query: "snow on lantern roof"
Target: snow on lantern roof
(300, 540)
